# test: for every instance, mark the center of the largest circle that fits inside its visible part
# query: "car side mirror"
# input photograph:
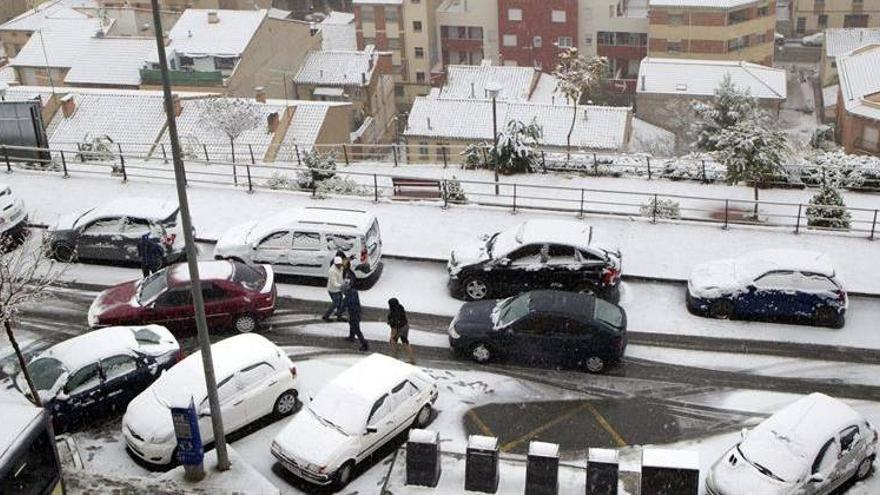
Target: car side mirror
(8, 369)
(372, 429)
(817, 478)
(62, 396)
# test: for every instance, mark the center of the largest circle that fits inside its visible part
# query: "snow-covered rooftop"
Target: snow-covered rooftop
(7, 74)
(702, 77)
(338, 32)
(337, 68)
(515, 84)
(195, 35)
(703, 4)
(36, 18)
(596, 127)
(859, 83)
(840, 41)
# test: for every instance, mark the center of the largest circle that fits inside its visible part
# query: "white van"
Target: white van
(304, 241)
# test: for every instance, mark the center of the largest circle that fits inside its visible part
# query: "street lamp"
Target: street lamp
(493, 89)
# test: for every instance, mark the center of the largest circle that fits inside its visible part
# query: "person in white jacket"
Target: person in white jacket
(334, 288)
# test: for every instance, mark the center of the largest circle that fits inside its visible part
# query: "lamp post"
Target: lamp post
(191, 252)
(493, 89)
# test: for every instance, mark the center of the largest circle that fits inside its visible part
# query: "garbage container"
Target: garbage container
(423, 458)
(481, 464)
(602, 471)
(670, 472)
(542, 469)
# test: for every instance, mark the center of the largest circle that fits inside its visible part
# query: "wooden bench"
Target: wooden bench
(411, 188)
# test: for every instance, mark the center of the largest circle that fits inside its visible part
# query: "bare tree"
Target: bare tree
(27, 275)
(232, 117)
(578, 79)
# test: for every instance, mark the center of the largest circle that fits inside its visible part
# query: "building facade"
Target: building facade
(532, 32)
(858, 101)
(810, 16)
(12, 8)
(722, 30)
(468, 32)
(617, 30)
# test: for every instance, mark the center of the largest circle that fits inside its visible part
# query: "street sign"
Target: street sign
(189, 439)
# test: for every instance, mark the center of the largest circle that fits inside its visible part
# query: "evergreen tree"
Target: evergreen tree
(827, 208)
(729, 106)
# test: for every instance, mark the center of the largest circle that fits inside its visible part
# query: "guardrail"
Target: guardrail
(516, 196)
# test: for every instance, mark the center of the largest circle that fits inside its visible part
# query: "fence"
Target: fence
(252, 175)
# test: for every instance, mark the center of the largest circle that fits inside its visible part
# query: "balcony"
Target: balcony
(153, 77)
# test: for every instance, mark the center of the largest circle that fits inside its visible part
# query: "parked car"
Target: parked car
(235, 294)
(544, 325)
(537, 254)
(304, 241)
(812, 446)
(110, 232)
(254, 379)
(358, 412)
(779, 39)
(13, 217)
(816, 39)
(773, 283)
(99, 371)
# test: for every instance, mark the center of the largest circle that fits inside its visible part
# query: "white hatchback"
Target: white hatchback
(811, 447)
(254, 379)
(12, 213)
(355, 414)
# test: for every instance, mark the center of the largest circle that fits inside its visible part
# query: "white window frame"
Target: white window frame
(509, 40)
(568, 44)
(558, 16)
(537, 41)
(514, 14)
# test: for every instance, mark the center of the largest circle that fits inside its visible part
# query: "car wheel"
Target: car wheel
(481, 353)
(476, 288)
(722, 310)
(285, 404)
(245, 324)
(423, 417)
(344, 475)
(594, 364)
(865, 468)
(63, 252)
(827, 317)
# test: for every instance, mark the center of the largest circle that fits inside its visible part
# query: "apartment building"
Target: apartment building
(839, 42)
(858, 100)
(468, 32)
(181, 5)
(406, 29)
(810, 16)
(718, 30)
(533, 32)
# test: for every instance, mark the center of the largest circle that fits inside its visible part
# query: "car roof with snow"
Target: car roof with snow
(760, 262)
(567, 232)
(208, 270)
(18, 415)
(92, 346)
(373, 376)
(319, 218)
(153, 209)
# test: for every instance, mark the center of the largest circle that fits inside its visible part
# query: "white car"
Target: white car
(355, 414)
(12, 213)
(304, 241)
(254, 379)
(814, 39)
(811, 447)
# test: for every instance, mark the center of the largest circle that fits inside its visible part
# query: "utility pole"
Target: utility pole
(191, 252)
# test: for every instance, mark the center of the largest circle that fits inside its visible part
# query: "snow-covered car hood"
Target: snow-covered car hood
(65, 222)
(468, 254)
(148, 418)
(113, 303)
(306, 439)
(714, 278)
(236, 237)
(734, 475)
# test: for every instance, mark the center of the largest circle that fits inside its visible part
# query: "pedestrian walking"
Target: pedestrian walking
(353, 306)
(399, 330)
(334, 288)
(151, 254)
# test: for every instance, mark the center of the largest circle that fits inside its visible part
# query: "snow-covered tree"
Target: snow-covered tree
(231, 117)
(516, 152)
(753, 152)
(27, 275)
(318, 168)
(827, 209)
(729, 106)
(578, 78)
(453, 192)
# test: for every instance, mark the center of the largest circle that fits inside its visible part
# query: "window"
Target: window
(814, 282)
(417, 26)
(419, 52)
(105, 226)
(604, 38)
(420, 77)
(367, 14)
(870, 135)
(117, 366)
(390, 15)
(381, 409)
(509, 40)
(224, 63)
(801, 25)
(826, 458)
(560, 255)
(211, 292)
(676, 19)
(514, 14)
(763, 11)
(226, 390)
(84, 379)
(588, 40)
(445, 32)
(35, 471)
(537, 41)
(557, 16)
(423, 149)
(848, 437)
(818, 5)
(775, 280)
(175, 297)
(393, 43)
(307, 241)
(144, 335)
(565, 42)
(398, 91)
(738, 16)
(277, 240)
(855, 21)
(823, 21)
(341, 242)
(673, 46)
(475, 33)
(526, 255)
(252, 375)
(186, 61)
(135, 227)
(369, 41)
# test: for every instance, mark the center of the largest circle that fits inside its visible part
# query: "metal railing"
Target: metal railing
(515, 196)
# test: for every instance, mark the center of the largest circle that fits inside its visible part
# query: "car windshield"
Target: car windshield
(146, 336)
(152, 286)
(80, 217)
(45, 372)
(248, 276)
(510, 310)
(337, 407)
(501, 243)
(608, 313)
(172, 220)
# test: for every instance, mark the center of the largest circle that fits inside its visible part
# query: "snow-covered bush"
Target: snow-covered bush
(841, 169)
(695, 166)
(279, 181)
(516, 152)
(96, 148)
(633, 165)
(475, 156)
(341, 186)
(827, 209)
(318, 168)
(665, 208)
(453, 191)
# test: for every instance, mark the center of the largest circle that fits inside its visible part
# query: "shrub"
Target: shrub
(340, 185)
(453, 192)
(318, 168)
(827, 210)
(666, 208)
(279, 181)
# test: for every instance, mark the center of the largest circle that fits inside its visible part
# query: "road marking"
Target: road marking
(537, 431)
(606, 425)
(484, 428)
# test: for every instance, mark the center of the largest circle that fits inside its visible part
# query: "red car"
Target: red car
(236, 295)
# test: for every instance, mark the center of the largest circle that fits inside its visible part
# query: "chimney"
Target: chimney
(643, 83)
(175, 102)
(321, 73)
(429, 123)
(261, 94)
(364, 78)
(473, 90)
(68, 106)
(213, 18)
(272, 120)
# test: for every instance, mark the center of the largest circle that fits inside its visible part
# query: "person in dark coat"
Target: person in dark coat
(353, 305)
(399, 330)
(151, 254)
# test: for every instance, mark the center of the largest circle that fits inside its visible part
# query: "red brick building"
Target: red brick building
(532, 32)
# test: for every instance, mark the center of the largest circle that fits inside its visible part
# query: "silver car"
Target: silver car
(111, 232)
(811, 447)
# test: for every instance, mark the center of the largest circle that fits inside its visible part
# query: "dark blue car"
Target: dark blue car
(771, 284)
(99, 372)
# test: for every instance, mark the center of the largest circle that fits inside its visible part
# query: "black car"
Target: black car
(544, 325)
(537, 254)
(98, 372)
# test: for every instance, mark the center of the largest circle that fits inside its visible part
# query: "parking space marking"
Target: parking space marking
(537, 431)
(606, 425)
(484, 428)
